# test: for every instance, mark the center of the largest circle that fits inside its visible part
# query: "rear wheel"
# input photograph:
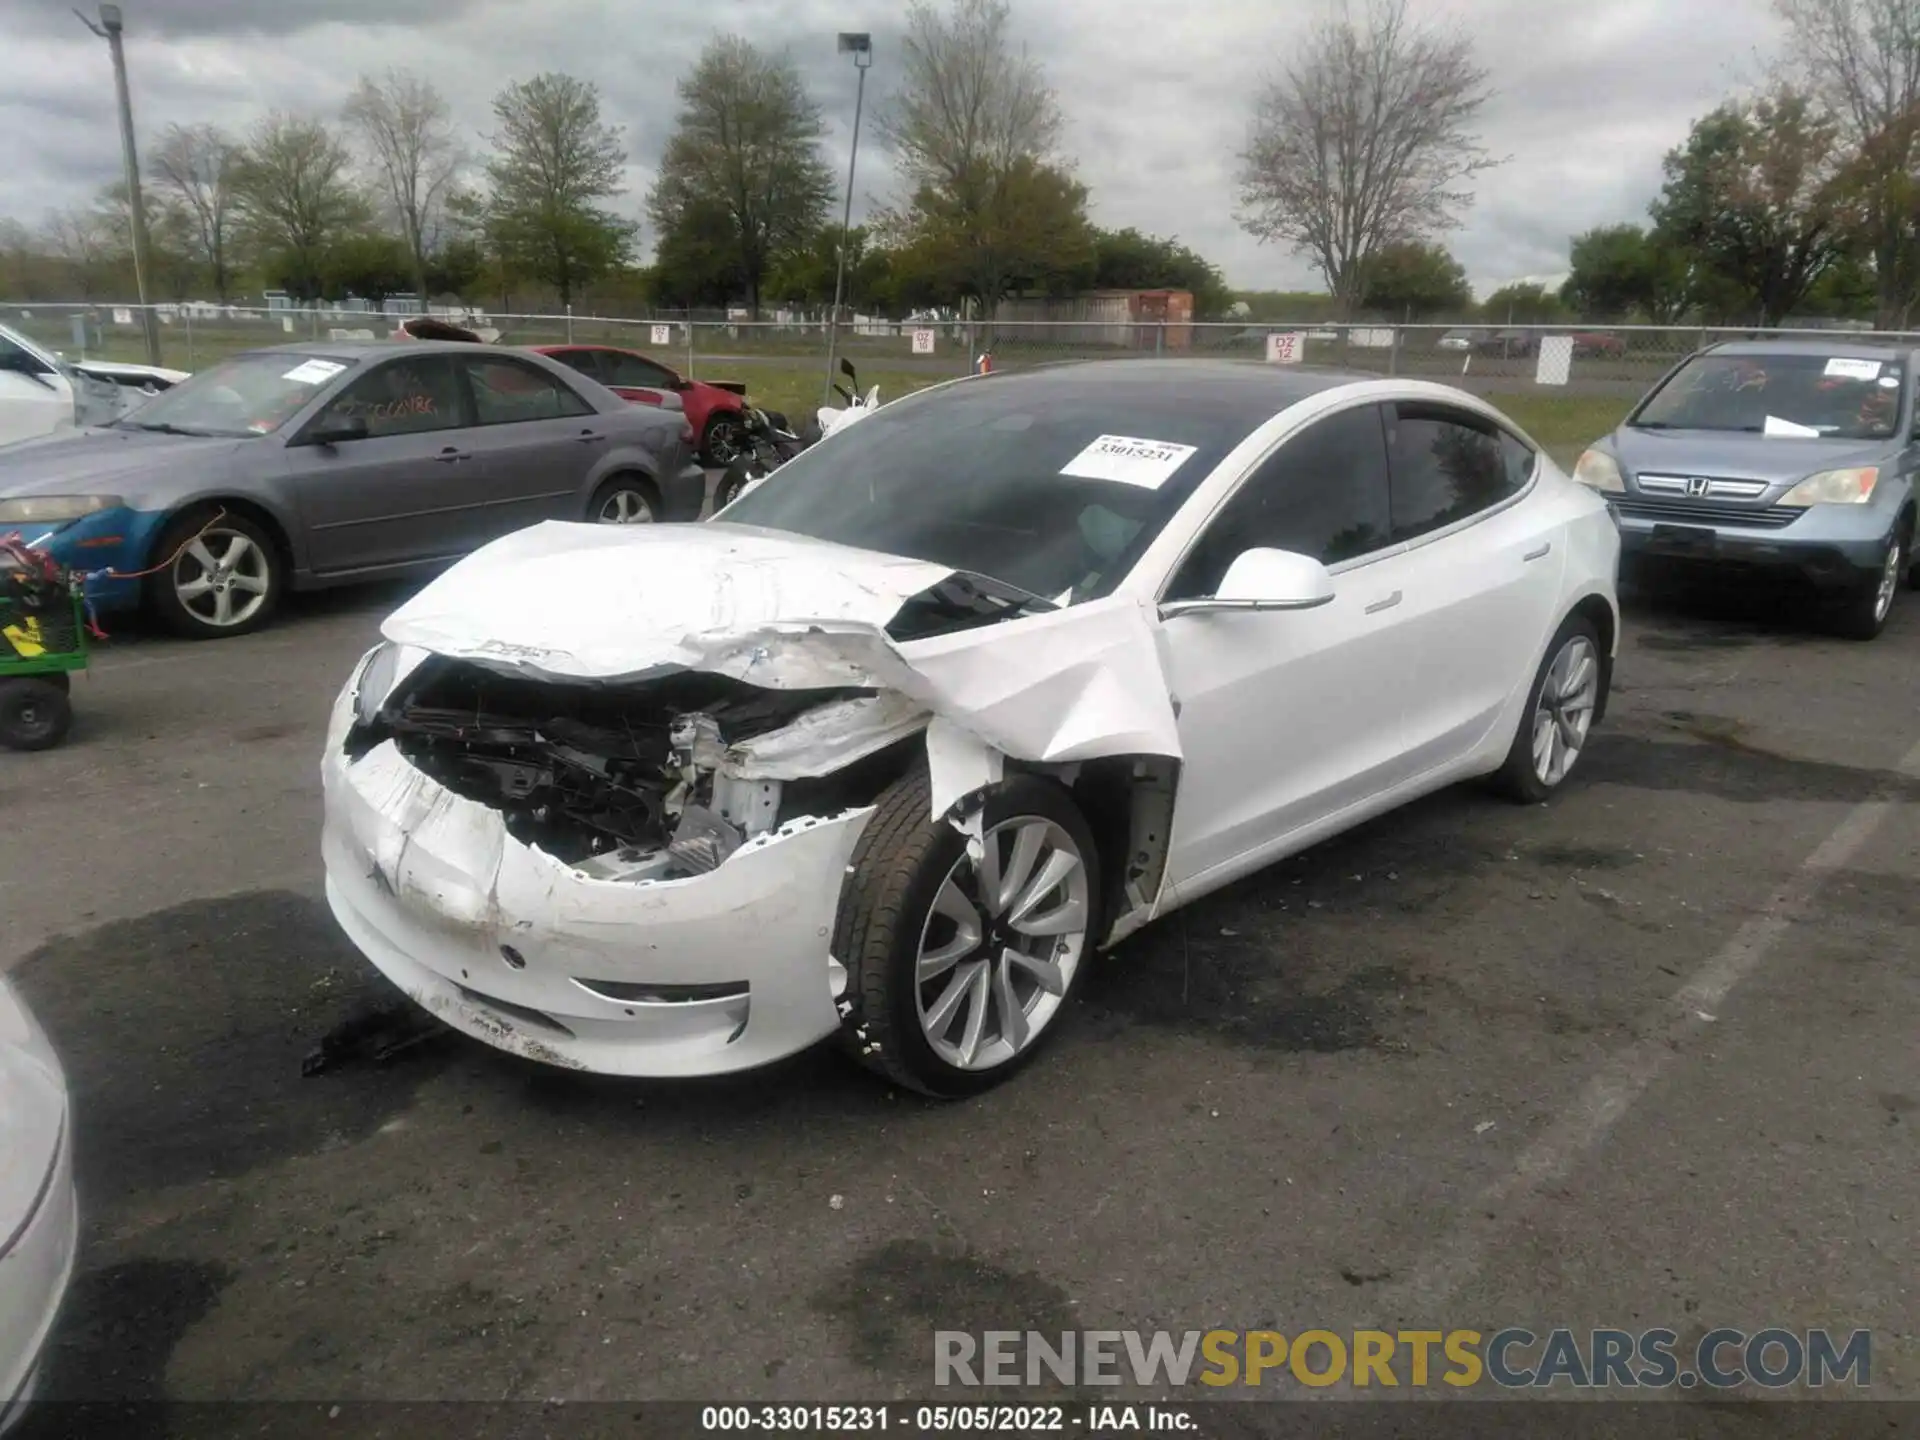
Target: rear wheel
(1553, 730)
(35, 713)
(733, 484)
(625, 500)
(960, 961)
(222, 575)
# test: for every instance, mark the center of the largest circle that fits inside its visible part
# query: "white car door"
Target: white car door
(35, 397)
(1480, 579)
(1288, 717)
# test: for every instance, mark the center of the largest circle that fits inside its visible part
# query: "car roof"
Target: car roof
(1836, 348)
(1252, 391)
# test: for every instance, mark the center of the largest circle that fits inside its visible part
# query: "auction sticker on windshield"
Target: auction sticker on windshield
(313, 372)
(1129, 461)
(1841, 369)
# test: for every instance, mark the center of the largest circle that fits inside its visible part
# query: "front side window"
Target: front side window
(1790, 394)
(1322, 494)
(1448, 465)
(509, 392)
(634, 373)
(406, 397)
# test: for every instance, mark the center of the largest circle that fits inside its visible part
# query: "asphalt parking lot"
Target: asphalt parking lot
(1642, 1057)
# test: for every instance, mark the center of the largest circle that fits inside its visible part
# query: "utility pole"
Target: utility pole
(109, 30)
(860, 46)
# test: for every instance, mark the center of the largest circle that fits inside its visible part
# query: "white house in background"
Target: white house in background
(1549, 283)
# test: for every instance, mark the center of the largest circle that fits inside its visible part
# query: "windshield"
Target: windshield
(1053, 483)
(247, 395)
(1792, 394)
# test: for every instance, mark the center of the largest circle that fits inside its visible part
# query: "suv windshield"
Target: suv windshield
(247, 395)
(1792, 393)
(1053, 483)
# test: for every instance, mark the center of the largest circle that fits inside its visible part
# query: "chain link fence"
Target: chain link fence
(785, 359)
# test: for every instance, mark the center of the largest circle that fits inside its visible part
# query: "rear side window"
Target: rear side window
(587, 362)
(634, 373)
(508, 392)
(1448, 465)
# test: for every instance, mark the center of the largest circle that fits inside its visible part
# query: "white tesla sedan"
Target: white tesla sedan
(956, 699)
(39, 1220)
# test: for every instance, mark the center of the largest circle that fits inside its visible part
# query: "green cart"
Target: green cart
(43, 640)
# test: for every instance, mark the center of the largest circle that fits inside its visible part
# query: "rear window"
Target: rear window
(1793, 394)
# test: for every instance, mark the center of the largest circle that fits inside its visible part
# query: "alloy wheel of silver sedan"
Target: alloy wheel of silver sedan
(223, 578)
(1563, 713)
(998, 952)
(625, 506)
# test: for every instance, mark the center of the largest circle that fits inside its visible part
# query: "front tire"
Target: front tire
(222, 575)
(1558, 719)
(732, 485)
(726, 437)
(35, 714)
(1864, 612)
(960, 965)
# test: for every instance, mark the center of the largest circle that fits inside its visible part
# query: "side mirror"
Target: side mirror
(338, 430)
(1264, 580)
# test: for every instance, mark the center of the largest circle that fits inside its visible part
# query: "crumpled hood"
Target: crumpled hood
(79, 462)
(33, 1106)
(570, 601)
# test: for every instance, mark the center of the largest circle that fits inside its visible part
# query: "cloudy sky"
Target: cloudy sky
(1590, 94)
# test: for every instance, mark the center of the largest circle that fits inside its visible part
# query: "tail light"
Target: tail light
(686, 435)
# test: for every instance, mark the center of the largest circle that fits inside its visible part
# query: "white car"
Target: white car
(39, 1217)
(1006, 671)
(40, 393)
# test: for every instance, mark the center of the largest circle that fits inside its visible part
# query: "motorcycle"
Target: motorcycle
(768, 442)
(771, 442)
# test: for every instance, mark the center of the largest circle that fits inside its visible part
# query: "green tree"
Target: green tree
(975, 131)
(296, 197)
(1415, 280)
(747, 145)
(805, 275)
(1757, 199)
(1523, 303)
(406, 127)
(695, 261)
(370, 265)
(555, 159)
(1129, 260)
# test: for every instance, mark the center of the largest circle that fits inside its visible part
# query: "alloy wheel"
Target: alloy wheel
(1007, 931)
(223, 578)
(626, 507)
(1889, 579)
(724, 439)
(1564, 712)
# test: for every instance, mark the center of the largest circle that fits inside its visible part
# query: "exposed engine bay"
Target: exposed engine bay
(622, 781)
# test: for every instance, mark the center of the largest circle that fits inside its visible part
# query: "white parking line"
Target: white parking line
(1626, 1076)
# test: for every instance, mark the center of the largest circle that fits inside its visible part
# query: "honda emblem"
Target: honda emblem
(1698, 487)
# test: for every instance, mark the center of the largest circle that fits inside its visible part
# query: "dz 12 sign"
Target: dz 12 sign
(663, 334)
(1286, 349)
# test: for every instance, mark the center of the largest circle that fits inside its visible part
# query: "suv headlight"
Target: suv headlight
(377, 674)
(55, 509)
(1835, 487)
(1598, 470)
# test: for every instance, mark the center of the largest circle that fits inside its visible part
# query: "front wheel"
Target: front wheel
(1864, 612)
(1561, 705)
(740, 474)
(34, 713)
(220, 574)
(961, 957)
(725, 440)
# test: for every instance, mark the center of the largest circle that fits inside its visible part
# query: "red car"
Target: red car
(716, 412)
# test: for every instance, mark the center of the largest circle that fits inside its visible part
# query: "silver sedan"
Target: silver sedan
(304, 466)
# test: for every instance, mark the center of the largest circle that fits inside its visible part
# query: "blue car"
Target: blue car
(1791, 456)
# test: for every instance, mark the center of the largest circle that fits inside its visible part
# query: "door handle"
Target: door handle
(1387, 604)
(589, 437)
(1539, 554)
(451, 456)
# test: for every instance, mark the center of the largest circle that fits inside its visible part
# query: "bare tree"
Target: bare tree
(194, 167)
(1862, 58)
(746, 146)
(975, 132)
(83, 242)
(406, 126)
(295, 192)
(1365, 140)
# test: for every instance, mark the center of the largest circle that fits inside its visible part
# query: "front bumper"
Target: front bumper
(116, 540)
(701, 976)
(1835, 547)
(33, 1278)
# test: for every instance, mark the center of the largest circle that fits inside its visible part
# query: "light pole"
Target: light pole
(860, 46)
(109, 30)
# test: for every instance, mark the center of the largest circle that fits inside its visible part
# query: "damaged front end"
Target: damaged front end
(647, 780)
